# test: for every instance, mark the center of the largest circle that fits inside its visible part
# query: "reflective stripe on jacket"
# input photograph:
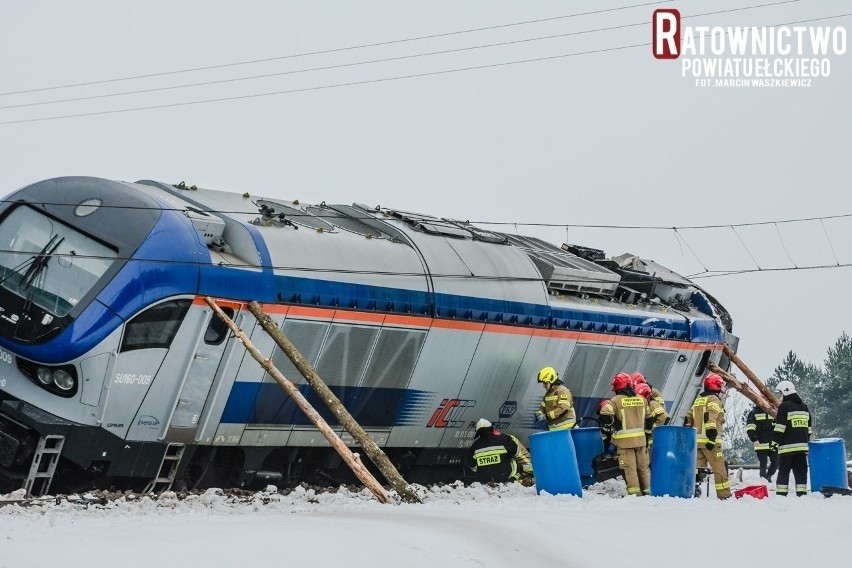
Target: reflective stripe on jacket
(629, 412)
(707, 413)
(558, 407)
(759, 427)
(793, 427)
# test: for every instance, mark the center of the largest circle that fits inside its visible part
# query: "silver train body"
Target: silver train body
(115, 372)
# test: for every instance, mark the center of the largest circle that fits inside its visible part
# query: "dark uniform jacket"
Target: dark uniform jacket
(793, 426)
(759, 428)
(492, 456)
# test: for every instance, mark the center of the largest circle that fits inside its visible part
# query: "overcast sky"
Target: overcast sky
(609, 138)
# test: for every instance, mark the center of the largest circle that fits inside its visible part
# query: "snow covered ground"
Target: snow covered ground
(455, 526)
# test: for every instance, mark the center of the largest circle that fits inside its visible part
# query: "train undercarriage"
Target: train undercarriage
(42, 454)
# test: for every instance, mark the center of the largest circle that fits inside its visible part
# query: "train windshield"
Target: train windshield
(47, 262)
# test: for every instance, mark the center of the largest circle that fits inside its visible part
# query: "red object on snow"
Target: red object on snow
(756, 491)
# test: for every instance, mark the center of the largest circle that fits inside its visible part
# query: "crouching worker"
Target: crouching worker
(498, 457)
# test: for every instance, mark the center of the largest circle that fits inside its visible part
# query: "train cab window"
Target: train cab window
(48, 262)
(702, 364)
(217, 331)
(156, 327)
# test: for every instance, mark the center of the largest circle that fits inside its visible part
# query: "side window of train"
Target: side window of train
(702, 365)
(656, 366)
(217, 331)
(156, 327)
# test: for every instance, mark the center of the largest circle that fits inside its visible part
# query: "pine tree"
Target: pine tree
(831, 402)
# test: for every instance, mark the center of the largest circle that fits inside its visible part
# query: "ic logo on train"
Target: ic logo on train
(450, 413)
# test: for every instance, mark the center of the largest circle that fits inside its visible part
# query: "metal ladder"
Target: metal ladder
(168, 469)
(44, 464)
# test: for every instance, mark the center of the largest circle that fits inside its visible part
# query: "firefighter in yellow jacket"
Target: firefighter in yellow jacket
(707, 415)
(657, 415)
(626, 412)
(557, 406)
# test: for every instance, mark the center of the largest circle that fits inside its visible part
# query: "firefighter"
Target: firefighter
(523, 463)
(790, 437)
(606, 429)
(497, 457)
(707, 415)
(626, 413)
(557, 406)
(638, 378)
(759, 428)
(657, 415)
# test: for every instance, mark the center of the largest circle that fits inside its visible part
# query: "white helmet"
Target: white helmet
(786, 387)
(482, 423)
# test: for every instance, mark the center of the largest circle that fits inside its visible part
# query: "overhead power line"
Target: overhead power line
(367, 81)
(821, 219)
(722, 273)
(372, 61)
(339, 49)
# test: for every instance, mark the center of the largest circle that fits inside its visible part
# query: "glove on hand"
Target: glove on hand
(710, 444)
(773, 446)
(539, 417)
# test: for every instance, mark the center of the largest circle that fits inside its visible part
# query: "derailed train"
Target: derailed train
(115, 372)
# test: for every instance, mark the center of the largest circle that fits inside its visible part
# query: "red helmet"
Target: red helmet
(713, 383)
(637, 378)
(601, 405)
(621, 381)
(643, 390)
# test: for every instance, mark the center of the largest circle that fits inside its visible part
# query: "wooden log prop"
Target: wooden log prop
(373, 451)
(348, 456)
(761, 386)
(743, 389)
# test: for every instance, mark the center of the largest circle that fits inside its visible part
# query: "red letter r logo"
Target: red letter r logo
(666, 25)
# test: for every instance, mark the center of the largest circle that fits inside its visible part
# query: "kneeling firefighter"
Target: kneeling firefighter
(498, 457)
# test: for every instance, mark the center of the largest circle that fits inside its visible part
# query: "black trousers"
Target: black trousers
(797, 463)
(764, 456)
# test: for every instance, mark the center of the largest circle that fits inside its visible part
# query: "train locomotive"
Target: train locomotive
(114, 371)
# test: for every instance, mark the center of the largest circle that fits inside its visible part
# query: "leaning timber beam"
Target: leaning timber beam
(761, 386)
(351, 459)
(743, 389)
(373, 451)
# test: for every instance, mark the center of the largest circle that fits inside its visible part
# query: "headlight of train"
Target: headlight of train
(63, 380)
(44, 375)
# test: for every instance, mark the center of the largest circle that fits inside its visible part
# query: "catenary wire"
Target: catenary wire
(467, 222)
(337, 50)
(364, 82)
(784, 246)
(368, 62)
(467, 276)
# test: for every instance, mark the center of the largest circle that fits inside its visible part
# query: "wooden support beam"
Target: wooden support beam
(351, 459)
(743, 389)
(761, 386)
(373, 451)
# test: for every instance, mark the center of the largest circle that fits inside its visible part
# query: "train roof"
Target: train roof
(470, 272)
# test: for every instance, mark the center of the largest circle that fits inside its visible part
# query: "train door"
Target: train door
(211, 353)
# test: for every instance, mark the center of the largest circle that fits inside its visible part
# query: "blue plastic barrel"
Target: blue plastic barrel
(555, 463)
(588, 443)
(827, 461)
(673, 461)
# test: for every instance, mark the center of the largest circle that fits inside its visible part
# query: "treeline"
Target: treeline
(826, 389)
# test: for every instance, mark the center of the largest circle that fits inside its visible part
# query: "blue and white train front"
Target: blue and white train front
(79, 258)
